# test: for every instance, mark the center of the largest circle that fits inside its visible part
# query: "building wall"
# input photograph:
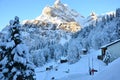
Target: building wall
(114, 50)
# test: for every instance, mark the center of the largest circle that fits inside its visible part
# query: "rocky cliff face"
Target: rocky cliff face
(60, 15)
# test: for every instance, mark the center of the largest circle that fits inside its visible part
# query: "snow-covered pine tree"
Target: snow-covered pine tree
(104, 20)
(14, 62)
(118, 12)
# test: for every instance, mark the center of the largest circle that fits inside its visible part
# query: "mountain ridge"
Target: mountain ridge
(59, 14)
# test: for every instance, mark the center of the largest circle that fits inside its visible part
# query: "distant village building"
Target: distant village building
(84, 51)
(110, 51)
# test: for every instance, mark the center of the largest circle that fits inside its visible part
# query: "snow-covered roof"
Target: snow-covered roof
(109, 44)
(83, 49)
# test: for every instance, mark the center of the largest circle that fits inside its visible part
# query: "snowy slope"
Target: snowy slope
(93, 18)
(77, 71)
(112, 71)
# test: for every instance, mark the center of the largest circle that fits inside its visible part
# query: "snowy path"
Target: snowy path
(80, 69)
(77, 71)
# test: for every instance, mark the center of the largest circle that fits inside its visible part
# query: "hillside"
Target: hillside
(80, 71)
(75, 71)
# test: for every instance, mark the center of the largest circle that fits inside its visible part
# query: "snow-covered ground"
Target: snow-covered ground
(112, 71)
(77, 71)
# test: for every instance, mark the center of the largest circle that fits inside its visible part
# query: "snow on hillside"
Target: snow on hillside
(108, 13)
(112, 71)
(63, 40)
(91, 19)
(77, 71)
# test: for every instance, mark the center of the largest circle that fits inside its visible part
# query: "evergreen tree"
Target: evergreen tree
(73, 54)
(103, 20)
(118, 12)
(108, 18)
(111, 16)
(14, 62)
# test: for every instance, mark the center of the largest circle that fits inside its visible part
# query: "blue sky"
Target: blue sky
(30, 9)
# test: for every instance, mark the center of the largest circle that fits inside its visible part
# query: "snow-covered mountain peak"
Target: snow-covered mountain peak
(93, 16)
(59, 12)
(57, 3)
(91, 19)
(61, 15)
